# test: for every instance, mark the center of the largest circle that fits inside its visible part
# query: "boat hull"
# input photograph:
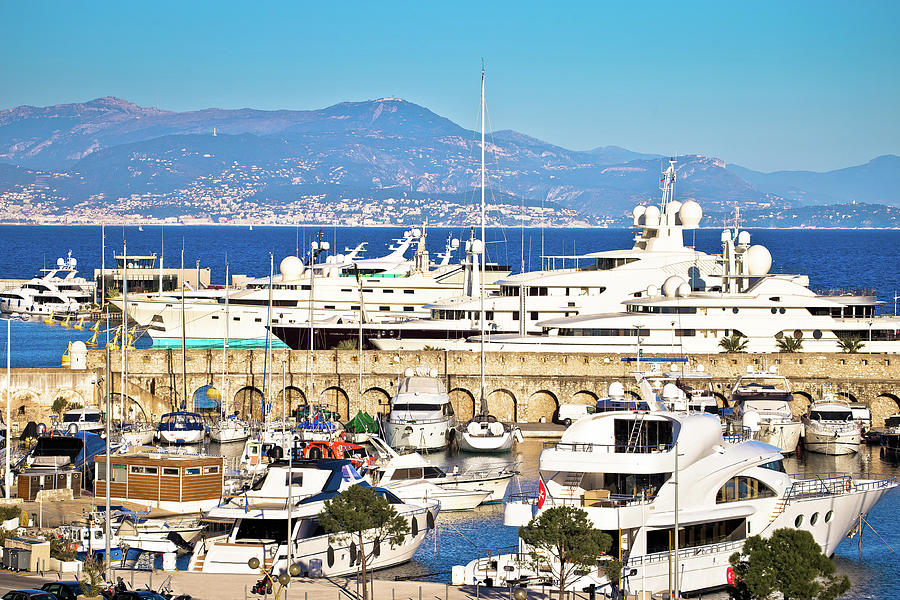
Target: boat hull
(180, 438)
(484, 444)
(833, 442)
(784, 436)
(418, 436)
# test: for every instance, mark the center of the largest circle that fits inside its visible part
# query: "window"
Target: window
(408, 308)
(192, 471)
(211, 470)
(701, 534)
(828, 516)
(533, 315)
(119, 472)
(138, 470)
(354, 307)
(384, 308)
(814, 518)
(515, 315)
(329, 307)
(388, 291)
(171, 471)
(775, 465)
(409, 291)
(743, 488)
(798, 522)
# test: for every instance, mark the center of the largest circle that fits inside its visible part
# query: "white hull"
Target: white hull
(485, 443)
(228, 431)
(141, 437)
(180, 437)
(451, 498)
(824, 440)
(418, 436)
(783, 435)
(216, 555)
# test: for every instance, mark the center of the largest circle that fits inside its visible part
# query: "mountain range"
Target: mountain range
(221, 163)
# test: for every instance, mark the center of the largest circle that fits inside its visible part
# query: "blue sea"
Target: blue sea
(831, 259)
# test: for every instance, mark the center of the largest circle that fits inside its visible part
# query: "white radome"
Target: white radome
(690, 214)
(671, 285)
(758, 260)
(291, 268)
(683, 290)
(651, 216)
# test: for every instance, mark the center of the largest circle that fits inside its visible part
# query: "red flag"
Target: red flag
(542, 494)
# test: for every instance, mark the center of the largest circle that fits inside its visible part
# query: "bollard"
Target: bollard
(420, 592)
(446, 591)
(132, 579)
(245, 591)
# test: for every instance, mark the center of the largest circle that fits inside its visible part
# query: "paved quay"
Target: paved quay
(207, 586)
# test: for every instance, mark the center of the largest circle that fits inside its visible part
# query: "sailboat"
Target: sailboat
(484, 432)
(228, 429)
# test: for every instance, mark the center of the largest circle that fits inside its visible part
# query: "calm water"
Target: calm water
(832, 258)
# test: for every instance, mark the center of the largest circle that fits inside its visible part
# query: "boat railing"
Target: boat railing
(607, 501)
(845, 292)
(394, 421)
(736, 437)
(620, 448)
(488, 472)
(814, 485)
(657, 557)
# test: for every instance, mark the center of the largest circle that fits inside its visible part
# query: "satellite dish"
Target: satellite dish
(477, 246)
(616, 390)
(60, 262)
(454, 243)
(750, 420)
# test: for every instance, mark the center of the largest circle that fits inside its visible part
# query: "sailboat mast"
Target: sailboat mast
(124, 328)
(183, 336)
(483, 248)
(225, 346)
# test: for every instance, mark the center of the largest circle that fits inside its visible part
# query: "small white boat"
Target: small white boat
(229, 430)
(829, 427)
(485, 433)
(452, 498)
(181, 428)
(136, 434)
(83, 419)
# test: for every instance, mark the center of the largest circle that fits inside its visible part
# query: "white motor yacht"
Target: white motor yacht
(829, 427)
(451, 498)
(642, 476)
(229, 430)
(760, 402)
(400, 469)
(83, 419)
(421, 416)
(484, 434)
(58, 291)
(280, 527)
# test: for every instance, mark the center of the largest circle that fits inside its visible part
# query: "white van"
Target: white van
(569, 413)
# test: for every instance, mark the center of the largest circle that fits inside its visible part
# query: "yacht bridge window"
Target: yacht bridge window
(262, 529)
(642, 435)
(743, 488)
(677, 310)
(606, 263)
(591, 332)
(701, 534)
(831, 415)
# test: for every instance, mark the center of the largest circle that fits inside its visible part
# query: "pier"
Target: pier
(522, 387)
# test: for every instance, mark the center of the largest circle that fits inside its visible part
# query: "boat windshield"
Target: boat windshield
(831, 415)
(81, 417)
(763, 384)
(421, 385)
(416, 407)
(192, 421)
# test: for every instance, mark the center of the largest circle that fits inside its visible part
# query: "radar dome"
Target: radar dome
(291, 268)
(750, 420)
(416, 232)
(637, 213)
(743, 238)
(78, 346)
(758, 260)
(673, 207)
(616, 390)
(670, 391)
(690, 214)
(60, 262)
(670, 286)
(652, 290)
(651, 216)
(683, 290)
(726, 235)
(477, 246)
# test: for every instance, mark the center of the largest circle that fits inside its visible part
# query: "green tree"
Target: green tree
(566, 535)
(789, 344)
(59, 406)
(790, 563)
(358, 514)
(734, 343)
(92, 577)
(613, 570)
(347, 345)
(850, 345)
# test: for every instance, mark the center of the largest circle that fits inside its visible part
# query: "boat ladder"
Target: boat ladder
(635, 435)
(779, 508)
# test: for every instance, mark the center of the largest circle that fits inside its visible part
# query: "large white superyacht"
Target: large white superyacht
(58, 290)
(599, 282)
(342, 287)
(641, 476)
(761, 309)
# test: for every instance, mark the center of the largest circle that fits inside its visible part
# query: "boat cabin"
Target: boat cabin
(177, 483)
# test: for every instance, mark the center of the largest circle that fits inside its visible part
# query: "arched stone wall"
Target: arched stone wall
(584, 397)
(206, 399)
(502, 404)
(463, 404)
(883, 406)
(848, 396)
(291, 398)
(542, 403)
(248, 401)
(120, 403)
(376, 400)
(800, 402)
(335, 398)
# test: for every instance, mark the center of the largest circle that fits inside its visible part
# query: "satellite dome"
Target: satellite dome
(743, 238)
(750, 420)
(652, 290)
(78, 346)
(673, 207)
(416, 232)
(726, 235)
(291, 268)
(477, 246)
(670, 391)
(60, 262)
(670, 286)
(616, 390)
(638, 211)
(690, 214)
(683, 290)
(651, 216)
(757, 260)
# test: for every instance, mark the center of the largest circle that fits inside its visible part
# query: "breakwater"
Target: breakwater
(523, 387)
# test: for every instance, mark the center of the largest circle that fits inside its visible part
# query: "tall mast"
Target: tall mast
(162, 255)
(225, 347)
(483, 248)
(124, 329)
(183, 336)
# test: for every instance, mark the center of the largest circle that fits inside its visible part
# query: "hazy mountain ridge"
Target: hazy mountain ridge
(112, 149)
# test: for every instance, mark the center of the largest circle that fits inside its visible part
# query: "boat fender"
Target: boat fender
(352, 553)
(330, 556)
(414, 526)
(429, 520)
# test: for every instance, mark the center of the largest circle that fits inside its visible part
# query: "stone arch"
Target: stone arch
(376, 400)
(634, 395)
(463, 403)
(848, 395)
(800, 402)
(291, 398)
(883, 406)
(207, 399)
(335, 398)
(131, 407)
(248, 400)
(502, 404)
(721, 400)
(25, 406)
(542, 403)
(584, 397)
(71, 396)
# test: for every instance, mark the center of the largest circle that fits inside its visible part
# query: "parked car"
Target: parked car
(569, 413)
(138, 595)
(63, 590)
(28, 595)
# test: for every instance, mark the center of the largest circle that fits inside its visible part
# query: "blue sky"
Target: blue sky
(769, 85)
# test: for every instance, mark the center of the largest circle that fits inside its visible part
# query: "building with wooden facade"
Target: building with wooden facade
(175, 483)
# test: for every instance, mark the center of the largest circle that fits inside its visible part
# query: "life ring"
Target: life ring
(849, 486)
